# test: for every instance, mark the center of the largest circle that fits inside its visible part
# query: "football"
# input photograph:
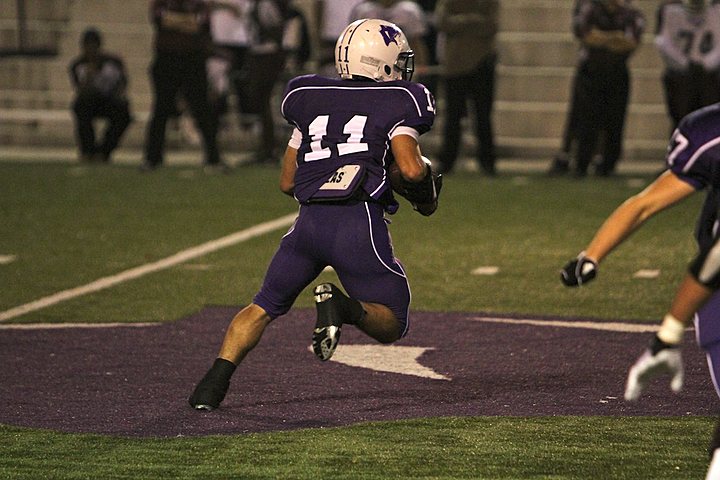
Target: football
(396, 177)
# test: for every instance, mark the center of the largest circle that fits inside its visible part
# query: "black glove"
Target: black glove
(423, 195)
(578, 271)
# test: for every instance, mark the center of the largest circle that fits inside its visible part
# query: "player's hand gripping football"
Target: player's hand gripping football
(661, 358)
(578, 271)
(422, 195)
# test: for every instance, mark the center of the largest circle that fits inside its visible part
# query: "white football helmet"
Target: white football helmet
(374, 49)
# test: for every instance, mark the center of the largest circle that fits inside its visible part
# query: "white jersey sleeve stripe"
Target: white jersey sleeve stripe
(707, 146)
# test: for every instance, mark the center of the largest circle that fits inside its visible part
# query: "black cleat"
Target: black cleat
(211, 390)
(329, 306)
(208, 395)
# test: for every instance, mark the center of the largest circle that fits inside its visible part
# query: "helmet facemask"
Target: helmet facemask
(405, 64)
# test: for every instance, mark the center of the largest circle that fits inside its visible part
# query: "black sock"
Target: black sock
(220, 372)
(354, 311)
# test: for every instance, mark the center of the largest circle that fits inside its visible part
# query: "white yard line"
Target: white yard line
(606, 326)
(133, 273)
(59, 326)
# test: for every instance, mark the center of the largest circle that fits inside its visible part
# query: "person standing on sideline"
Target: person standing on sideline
(406, 14)
(468, 29)
(561, 162)
(182, 45)
(609, 32)
(100, 84)
(345, 149)
(693, 159)
(688, 39)
(265, 63)
(332, 16)
(231, 30)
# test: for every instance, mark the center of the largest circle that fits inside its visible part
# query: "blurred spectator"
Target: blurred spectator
(182, 44)
(468, 29)
(430, 79)
(100, 81)
(561, 163)
(609, 32)
(687, 38)
(406, 14)
(333, 17)
(297, 43)
(231, 30)
(266, 61)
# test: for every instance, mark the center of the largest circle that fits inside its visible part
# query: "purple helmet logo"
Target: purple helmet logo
(389, 34)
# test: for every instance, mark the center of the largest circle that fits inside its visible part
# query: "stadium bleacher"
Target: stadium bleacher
(537, 58)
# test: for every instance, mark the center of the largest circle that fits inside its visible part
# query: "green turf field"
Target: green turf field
(65, 226)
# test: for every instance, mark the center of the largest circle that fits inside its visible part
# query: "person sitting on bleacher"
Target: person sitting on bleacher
(100, 81)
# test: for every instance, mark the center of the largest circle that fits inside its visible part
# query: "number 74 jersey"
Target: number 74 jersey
(682, 36)
(346, 128)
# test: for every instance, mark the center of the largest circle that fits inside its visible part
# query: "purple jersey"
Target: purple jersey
(346, 127)
(694, 156)
(694, 151)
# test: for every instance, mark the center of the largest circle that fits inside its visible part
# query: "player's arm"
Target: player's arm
(419, 184)
(289, 163)
(287, 171)
(664, 192)
(406, 151)
(663, 355)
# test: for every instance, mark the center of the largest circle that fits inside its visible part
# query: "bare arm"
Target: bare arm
(407, 155)
(182, 22)
(665, 191)
(614, 40)
(420, 185)
(287, 171)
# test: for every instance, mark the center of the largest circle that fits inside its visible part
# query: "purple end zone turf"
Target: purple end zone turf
(135, 381)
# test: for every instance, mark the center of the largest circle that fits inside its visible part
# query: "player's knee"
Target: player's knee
(394, 334)
(389, 337)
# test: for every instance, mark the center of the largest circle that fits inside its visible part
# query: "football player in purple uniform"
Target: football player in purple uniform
(693, 159)
(349, 135)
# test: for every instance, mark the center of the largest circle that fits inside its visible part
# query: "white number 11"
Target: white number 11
(354, 143)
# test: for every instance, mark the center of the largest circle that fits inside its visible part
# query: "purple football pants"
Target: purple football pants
(354, 240)
(707, 330)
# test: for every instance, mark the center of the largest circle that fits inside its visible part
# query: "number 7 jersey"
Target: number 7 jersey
(346, 128)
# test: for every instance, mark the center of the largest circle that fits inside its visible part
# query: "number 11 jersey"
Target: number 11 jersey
(350, 123)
